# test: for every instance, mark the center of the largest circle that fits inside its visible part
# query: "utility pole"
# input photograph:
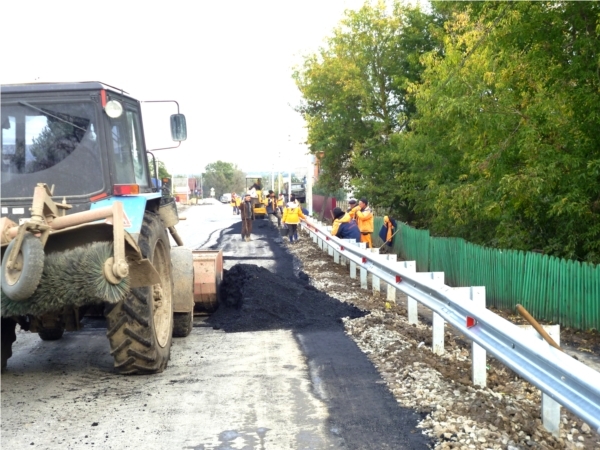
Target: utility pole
(309, 184)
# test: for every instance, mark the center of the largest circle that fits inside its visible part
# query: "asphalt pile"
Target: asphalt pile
(254, 299)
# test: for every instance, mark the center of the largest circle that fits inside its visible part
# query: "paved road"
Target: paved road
(254, 390)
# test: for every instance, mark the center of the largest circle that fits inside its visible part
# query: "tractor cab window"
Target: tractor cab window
(128, 148)
(52, 143)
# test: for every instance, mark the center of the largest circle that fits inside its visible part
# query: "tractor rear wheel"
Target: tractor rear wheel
(140, 326)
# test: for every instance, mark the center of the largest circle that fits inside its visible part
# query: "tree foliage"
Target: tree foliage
(224, 177)
(479, 119)
(162, 169)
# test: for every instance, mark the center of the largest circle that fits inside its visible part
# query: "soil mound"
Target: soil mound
(253, 298)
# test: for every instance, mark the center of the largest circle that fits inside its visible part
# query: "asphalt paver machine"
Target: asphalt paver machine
(83, 230)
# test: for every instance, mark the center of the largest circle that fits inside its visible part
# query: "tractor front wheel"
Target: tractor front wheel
(7, 329)
(141, 325)
(51, 334)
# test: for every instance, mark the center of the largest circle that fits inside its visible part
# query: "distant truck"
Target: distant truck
(225, 198)
(298, 190)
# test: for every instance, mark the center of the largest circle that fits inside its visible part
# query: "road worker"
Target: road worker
(343, 226)
(233, 203)
(272, 209)
(352, 208)
(291, 218)
(365, 219)
(238, 203)
(281, 203)
(247, 211)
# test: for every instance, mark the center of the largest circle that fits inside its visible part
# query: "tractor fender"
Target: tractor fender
(134, 207)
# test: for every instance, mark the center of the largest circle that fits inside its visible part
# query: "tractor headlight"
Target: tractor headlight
(113, 109)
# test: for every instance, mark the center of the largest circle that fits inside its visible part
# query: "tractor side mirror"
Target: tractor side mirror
(178, 127)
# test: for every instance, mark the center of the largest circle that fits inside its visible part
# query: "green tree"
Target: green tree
(478, 120)
(224, 177)
(507, 128)
(356, 98)
(162, 169)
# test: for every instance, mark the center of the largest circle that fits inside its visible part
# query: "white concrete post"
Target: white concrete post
(411, 303)
(352, 270)
(363, 278)
(391, 289)
(336, 256)
(550, 407)
(376, 281)
(438, 321)
(478, 354)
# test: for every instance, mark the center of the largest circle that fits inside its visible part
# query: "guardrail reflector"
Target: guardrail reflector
(326, 238)
(398, 278)
(471, 322)
(341, 247)
(364, 260)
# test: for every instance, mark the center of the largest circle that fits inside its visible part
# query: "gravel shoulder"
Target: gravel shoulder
(504, 415)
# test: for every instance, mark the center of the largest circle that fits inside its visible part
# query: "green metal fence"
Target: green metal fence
(551, 289)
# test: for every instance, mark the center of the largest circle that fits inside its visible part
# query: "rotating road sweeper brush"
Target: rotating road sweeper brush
(72, 277)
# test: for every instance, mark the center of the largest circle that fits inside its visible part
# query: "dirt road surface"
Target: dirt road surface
(286, 387)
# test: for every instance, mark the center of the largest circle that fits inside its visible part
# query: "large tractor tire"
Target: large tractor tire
(51, 334)
(141, 325)
(7, 329)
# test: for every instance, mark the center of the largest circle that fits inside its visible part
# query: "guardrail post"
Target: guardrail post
(438, 321)
(375, 281)
(363, 278)
(550, 407)
(348, 242)
(478, 354)
(411, 303)
(391, 290)
(336, 256)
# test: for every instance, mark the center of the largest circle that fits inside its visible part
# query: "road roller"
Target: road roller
(85, 231)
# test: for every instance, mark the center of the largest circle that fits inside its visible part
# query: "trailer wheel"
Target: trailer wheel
(7, 331)
(51, 334)
(20, 282)
(140, 326)
(183, 324)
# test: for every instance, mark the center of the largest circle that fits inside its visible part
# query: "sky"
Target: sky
(228, 64)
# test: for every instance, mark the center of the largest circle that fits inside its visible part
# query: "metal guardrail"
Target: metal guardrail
(562, 378)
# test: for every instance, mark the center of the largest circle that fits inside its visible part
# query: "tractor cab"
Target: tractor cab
(254, 185)
(85, 139)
